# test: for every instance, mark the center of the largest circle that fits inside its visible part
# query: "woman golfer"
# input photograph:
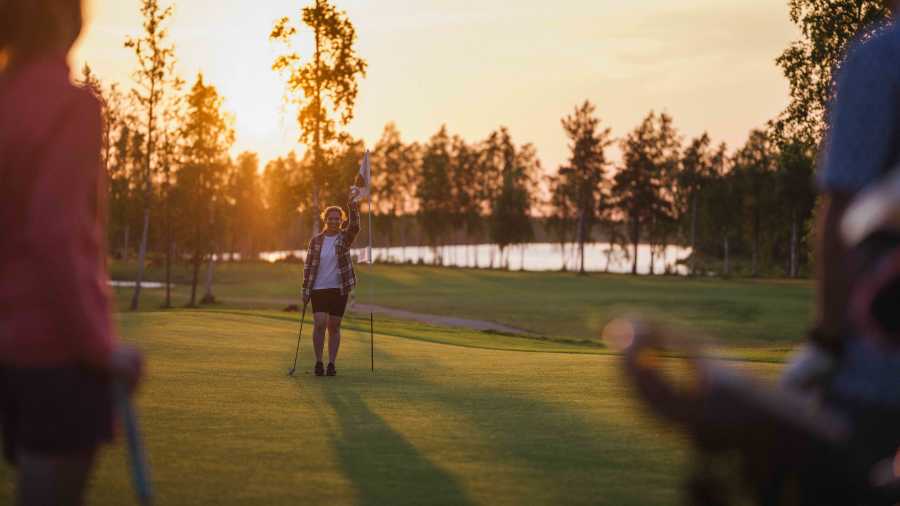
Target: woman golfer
(328, 278)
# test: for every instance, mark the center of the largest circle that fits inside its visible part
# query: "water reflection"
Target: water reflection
(598, 257)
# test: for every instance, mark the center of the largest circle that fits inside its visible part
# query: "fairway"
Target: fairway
(771, 314)
(436, 423)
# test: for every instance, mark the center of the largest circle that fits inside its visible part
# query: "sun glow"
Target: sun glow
(524, 67)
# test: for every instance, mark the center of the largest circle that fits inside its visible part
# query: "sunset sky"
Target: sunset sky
(476, 65)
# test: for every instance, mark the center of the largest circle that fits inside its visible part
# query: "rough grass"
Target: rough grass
(435, 424)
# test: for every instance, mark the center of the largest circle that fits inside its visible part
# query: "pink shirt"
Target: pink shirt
(54, 304)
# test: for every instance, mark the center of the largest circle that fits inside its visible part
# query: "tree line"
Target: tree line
(166, 150)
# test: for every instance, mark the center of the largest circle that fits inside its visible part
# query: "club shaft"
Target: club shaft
(299, 336)
(140, 472)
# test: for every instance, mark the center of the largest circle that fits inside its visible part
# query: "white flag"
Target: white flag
(364, 178)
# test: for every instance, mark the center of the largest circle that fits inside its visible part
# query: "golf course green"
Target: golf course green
(449, 416)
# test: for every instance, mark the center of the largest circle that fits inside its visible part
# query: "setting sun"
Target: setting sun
(477, 66)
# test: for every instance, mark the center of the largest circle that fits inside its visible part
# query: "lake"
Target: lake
(599, 257)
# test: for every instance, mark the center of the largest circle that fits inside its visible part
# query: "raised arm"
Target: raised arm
(352, 229)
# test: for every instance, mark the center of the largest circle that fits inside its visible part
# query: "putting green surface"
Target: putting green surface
(450, 416)
(436, 423)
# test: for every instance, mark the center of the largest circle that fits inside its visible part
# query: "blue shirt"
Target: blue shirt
(864, 124)
(862, 145)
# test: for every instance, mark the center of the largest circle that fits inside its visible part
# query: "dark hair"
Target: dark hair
(28, 27)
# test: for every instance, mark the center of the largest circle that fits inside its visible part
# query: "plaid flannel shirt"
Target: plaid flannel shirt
(342, 247)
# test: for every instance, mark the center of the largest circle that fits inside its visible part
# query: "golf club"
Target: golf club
(299, 335)
(140, 472)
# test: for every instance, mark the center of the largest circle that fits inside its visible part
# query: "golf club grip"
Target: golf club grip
(139, 470)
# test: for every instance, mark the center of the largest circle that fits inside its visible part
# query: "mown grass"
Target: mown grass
(434, 424)
(750, 315)
(450, 416)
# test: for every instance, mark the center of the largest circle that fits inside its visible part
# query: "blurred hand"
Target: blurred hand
(306, 296)
(354, 193)
(808, 368)
(126, 364)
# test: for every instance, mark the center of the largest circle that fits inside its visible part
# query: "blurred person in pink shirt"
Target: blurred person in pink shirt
(59, 354)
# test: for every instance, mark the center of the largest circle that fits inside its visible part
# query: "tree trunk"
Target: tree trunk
(581, 235)
(636, 237)
(143, 250)
(794, 244)
(402, 244)
(168, 244)
(125, 246)
(754, 254)
(315, 208)
(208, 297)
(317, 146)
(168, 302)
(196, 273)
(693, 257)
(141, 255)
(726, 268)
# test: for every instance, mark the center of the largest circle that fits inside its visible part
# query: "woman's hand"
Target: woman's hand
(354, 194)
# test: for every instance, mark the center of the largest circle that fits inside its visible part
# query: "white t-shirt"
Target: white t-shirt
(329, 276)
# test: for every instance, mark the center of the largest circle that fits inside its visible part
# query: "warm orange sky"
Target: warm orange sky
(476, 65)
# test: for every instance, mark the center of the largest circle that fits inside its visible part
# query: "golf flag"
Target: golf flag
(364, 178)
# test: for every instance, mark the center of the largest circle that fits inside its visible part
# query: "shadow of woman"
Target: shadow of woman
(381, 462)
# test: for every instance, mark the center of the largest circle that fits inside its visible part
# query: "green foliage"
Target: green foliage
(156, 81)
(394, 167)
(754, 167)
(794, 188)
(247, 224)
(581, 187)
(207, 136)
(465, 172)
(516, 170)
(811, 63)
(433, 187)
(324, 84)
(287, 190)
(642, 187)
(155, 75)
(698, 168)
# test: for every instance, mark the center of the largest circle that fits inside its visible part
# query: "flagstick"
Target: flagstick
(372, 338)
(371, 313)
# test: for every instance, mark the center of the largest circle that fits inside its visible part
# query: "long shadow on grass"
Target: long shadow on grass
(383, 465)
(571, 460)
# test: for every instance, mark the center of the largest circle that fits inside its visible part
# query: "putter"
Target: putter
(300, 334)
(140, 472)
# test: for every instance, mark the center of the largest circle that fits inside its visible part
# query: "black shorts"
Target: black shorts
(54, 411)
(329, 301)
